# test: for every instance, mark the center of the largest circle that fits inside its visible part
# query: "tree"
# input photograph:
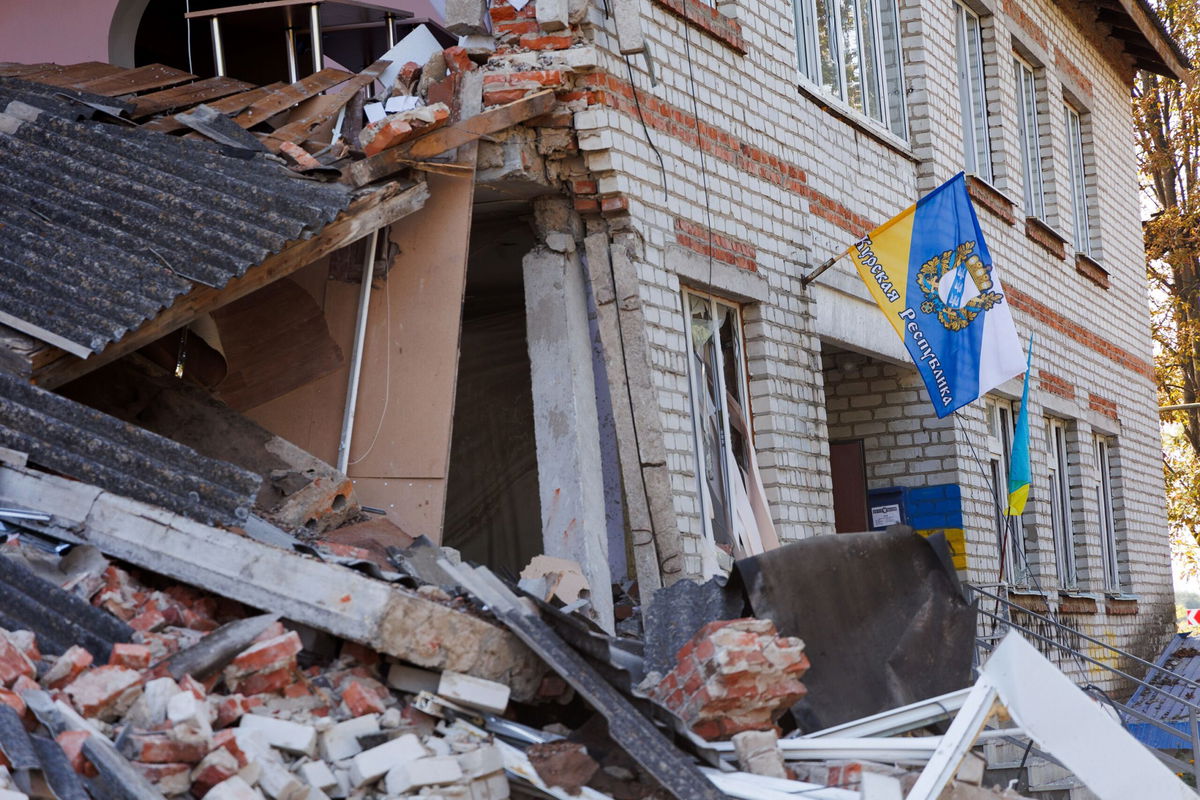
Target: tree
(1167, 115)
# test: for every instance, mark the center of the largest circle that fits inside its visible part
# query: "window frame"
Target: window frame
(886, 85)
(1001, 415)
(1110, 563)
(1062, 523)
(1029, 136)
(1081, 217)
(972, 94)
(707, 511)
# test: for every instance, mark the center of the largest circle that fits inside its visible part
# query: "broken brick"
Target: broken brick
(457, 59)
(170, 779)
(101, 692)
(267, 655)
(13, 701)
(133, 656)
(72, 744)
(360, 700)
(218, 766)
(164, 748)
(68, 667)
(26, 642)
(13, 663)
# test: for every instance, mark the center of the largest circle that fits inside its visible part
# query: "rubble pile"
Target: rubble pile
(260, 725)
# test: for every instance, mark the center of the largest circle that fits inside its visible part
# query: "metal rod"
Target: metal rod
(314, 30)
(356, 354)
(1195, 744)
(805, 280)
(1089, 659)
(290, 36)
(1179, 407)
(390, 19)
(1081, 635)
(218, 49)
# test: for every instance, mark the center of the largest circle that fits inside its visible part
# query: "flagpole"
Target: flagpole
(805, 280)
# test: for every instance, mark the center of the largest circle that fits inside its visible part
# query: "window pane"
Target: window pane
(972, 99)
(893, 74)
(827, 25)
(868, 27)
(851, 53)
(1027, 111)
(1079, 195)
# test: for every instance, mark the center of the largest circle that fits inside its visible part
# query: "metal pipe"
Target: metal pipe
(390, 20)
(290, 36)
(1180, 407)
(314, 32)
(218, 49)
(356, 354)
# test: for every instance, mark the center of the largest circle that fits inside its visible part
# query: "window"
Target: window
(1059, 492)
(977, 152)
(1079, 187)
(1031, 139)
(1104, 505)
(733, 502)
(1010, 532)
(851, 49)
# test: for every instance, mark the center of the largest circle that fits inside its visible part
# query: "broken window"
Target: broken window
(733, 503)
(972, 98)
(1104, 506)
(1010, 531)
(1059, 486)
(851, 49)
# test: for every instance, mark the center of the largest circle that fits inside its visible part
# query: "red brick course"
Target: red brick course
(1102, 405)
(709, 20)
(1049, 382)
(725, 249)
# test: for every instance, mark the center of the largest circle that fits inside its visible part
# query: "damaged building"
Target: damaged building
(294, 293)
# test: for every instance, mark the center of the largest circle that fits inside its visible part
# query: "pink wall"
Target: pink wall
(61, 31)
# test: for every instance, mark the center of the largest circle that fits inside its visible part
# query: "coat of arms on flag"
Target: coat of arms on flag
(930, 272)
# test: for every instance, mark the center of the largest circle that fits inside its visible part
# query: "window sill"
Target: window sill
(726, 30)
(1078, 602)
(1091, 269)
(1051, 240)
(1029, 599)
(1120, 604)
(855, 119)
(992, 199)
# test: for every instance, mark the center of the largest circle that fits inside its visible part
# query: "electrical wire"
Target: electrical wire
(662, 167)
(687, 42)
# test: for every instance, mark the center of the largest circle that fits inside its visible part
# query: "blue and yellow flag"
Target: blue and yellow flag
(1019, 471)
(930, 272)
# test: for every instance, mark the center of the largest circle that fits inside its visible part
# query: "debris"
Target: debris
(758, 752)
(733, 676)
(563, 764)
(561, 577)
(474, 692)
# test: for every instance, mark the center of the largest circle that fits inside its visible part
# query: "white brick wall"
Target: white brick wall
(796, 407)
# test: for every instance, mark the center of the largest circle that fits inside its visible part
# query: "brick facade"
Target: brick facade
(723, 155)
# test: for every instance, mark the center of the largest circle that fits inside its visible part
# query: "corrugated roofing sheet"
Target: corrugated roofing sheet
(1179, 660)
(102, 226)
(67, 437)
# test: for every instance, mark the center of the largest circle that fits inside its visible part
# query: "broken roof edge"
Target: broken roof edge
(1174, 62)
(304, 589)
(375, 208)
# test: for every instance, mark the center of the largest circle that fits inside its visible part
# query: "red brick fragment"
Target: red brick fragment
(13, 701)
(98, 693)
(26, 642)
(360, 700)
(170, 779)
(457, 59)
(360, 653)
(217, 766)
(72, 744)
(134, 656)
(13, 663)
(266, 682)
(267, 655)
(165, 748)
(535, 42)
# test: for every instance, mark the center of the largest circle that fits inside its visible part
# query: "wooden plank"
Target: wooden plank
(141, 79)
(325, 596)
(448, 137)
(187, 95)
(226, 105)
(298, 130)
(11, 69)
(288, 96)
(364, 215)
(77, 74)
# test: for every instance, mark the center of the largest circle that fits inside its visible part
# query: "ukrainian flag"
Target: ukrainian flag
(1019, 471)
(930, 272)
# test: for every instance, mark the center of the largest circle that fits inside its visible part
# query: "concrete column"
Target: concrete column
(570, 474)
